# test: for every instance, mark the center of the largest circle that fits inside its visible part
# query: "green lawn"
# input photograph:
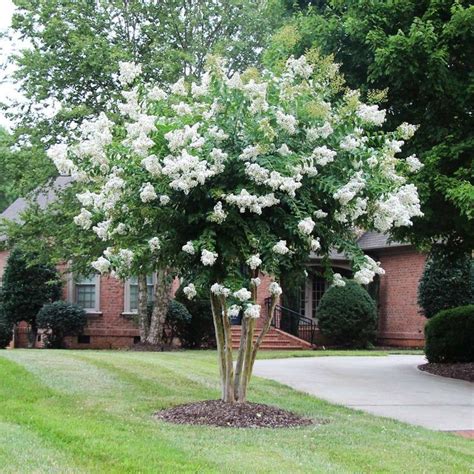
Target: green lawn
(90, 411)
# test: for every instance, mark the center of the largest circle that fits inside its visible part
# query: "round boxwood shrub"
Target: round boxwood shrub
(6, 329)
(61, 319)
(447, 282)
(347, 315)
(450, 335)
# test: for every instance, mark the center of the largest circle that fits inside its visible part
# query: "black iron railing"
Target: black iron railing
(293, 323)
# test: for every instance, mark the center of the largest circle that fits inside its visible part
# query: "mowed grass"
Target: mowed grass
(91, 411)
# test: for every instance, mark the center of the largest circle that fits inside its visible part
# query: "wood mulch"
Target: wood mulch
(236, 415)
(461, 371)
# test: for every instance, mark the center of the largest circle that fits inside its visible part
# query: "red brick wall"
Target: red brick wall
(400, 321)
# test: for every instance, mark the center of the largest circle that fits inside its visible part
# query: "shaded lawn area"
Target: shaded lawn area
(336, 352)
(90, 411)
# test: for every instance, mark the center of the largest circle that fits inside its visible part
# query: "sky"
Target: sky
(7, 87)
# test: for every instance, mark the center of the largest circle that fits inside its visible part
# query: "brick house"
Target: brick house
(111, 304)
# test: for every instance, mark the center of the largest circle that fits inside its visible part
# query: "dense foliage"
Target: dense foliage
(61, 319)
(419, 55)
(447, 282)
(200, 331)
(347, 316)
(450, 336)
(6, 329)
(26, 287)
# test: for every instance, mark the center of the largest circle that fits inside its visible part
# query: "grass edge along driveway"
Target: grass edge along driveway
(90, 411)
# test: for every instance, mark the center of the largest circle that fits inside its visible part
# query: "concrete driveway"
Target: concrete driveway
(390, 386)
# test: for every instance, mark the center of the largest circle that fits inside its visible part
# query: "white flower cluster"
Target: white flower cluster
(208, 258)
(154, 244)
(246, 201)
(306, 226)
(252, 311)
(189, 248)
(148, 193)
(83, 219)
(128, 72)
(298, 67)
(287, 122)
(254, 261)
(220, 290)
(274, 180)
(58, 154)
(398, 208)
(234, 311)
(275, 289)
(243, 294)
(367, 271)
(102, 265)
(322, 155)
(218, 214)
(190, 291)
(371, 114)
(186, 171)
(315, 133)
(414, 164)
(337, 280)
(349, 190)
(281, 248)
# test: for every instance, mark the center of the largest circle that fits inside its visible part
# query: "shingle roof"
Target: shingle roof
(374, 240)
(42, 198)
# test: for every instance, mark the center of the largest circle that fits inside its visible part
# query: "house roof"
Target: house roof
(40, 197)
(374, 240)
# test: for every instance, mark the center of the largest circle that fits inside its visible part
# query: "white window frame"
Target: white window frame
(127, 295)
(72, 293)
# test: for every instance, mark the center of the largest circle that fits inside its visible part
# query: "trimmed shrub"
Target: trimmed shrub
(178, 320)
(61, 319)
(347, 315)
(6, 329)
(447, 282)
(450, 335)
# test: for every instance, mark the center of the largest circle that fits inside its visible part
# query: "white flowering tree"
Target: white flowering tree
(231, 177)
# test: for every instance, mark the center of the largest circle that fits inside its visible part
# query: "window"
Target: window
(83, 339)
(85, 291)
(131, 293)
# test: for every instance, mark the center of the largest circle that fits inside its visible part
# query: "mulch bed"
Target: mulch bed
(237, 415)
(462, 371)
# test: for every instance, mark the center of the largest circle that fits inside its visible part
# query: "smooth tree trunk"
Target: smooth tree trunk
(162, 296)
(143, 319)
(234, 383)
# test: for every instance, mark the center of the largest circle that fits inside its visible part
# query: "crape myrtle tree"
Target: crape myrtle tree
(230, 177)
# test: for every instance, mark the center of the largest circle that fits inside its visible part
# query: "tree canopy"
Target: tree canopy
(67, 71)
(419, 56)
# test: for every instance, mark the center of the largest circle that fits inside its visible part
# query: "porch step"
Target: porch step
(275, 339)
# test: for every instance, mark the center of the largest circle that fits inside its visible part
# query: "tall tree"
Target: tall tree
(419, 54)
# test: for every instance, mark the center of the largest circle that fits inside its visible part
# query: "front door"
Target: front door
(311, 295)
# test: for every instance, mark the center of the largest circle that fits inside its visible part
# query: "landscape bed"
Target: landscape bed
(92, 411)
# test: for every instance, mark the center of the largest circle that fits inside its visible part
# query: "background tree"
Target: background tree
(419, 55)
(6, 328)
(447, 282)
(26, 287)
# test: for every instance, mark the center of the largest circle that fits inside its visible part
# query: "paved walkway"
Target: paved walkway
(389, 386)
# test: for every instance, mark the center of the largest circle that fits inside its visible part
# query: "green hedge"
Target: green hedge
(61, 319)
(450, 335)
(347, 315)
